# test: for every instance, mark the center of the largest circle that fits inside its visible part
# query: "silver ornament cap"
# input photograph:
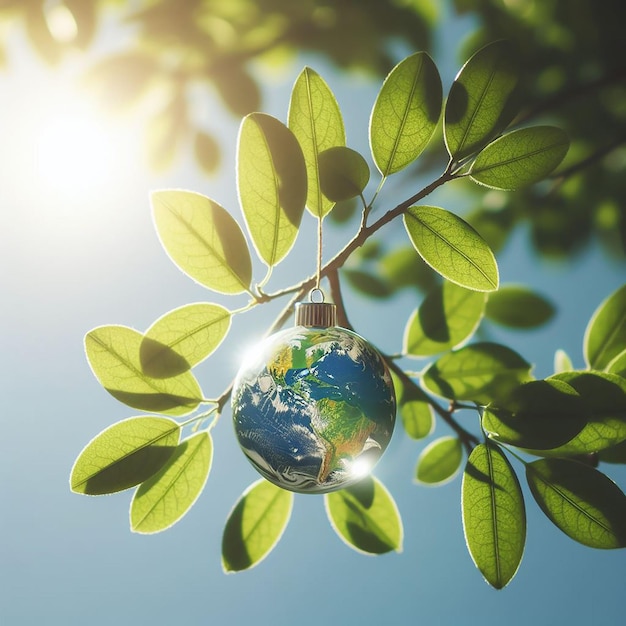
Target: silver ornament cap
(316, 314)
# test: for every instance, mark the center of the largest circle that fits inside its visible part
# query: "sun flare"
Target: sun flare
(72, 165)
(75, 150)
(361, 467)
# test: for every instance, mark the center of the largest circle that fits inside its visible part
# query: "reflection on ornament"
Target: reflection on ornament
(314, 408)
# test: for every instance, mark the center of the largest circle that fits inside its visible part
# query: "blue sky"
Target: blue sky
(75, 258)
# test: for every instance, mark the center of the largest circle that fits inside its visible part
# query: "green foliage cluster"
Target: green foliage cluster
(575, 74)
(181, 45)
(570, 422)
(174, 49)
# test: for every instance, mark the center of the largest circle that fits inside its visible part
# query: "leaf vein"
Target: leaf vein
(223, 261)
(184, 466)
(494, 515)
(147, 444)
(403, 121)
(565, 497)
(439, 236)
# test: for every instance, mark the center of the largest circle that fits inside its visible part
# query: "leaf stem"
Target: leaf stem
(202, 416)
(511, 452)
(265, 280)
(245, 308)
(366, 210)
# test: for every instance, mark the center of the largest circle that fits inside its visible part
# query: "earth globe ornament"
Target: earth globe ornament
(314, 406)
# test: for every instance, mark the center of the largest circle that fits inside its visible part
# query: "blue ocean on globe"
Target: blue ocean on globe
(314, 408)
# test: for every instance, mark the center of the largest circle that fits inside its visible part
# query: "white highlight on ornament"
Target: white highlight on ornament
(361, 468)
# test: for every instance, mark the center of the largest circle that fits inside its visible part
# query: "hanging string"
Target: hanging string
(319, 254)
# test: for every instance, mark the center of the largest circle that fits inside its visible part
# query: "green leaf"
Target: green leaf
(447, 317)
(315, 120)
(614, 454)
(202, 238)
(183, 338)
(343, 212)
(415, 411)
(481, 100)
(366, 517)
(417, 418)
(562, 362)
(439, 461)
(272, 183)
(494, 517)
(371, 250)
(518, 307)
(618, 365)
(343, 173)
(254, 526)
(520, 158)
(479, 372)
(404, 267)
(604, 405)
(452, 247)
(581, 501)
(124, 455)
(540, 415)
(163, 499)
(605, 336)
(405, 113)
(114, 356)
(369, 284)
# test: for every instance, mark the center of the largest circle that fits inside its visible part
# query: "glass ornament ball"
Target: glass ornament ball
(314, 405)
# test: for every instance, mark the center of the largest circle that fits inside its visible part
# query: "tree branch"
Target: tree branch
(330, 271)
(468, 440)
(335, 292)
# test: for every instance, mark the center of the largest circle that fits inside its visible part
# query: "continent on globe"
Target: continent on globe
(314, 409)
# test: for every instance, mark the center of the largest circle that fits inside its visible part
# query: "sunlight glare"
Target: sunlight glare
(75, 153)
(361, 467)
(250, 356)
(75, 166)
